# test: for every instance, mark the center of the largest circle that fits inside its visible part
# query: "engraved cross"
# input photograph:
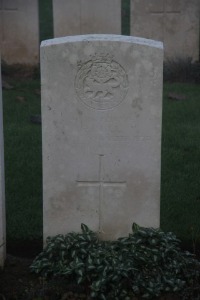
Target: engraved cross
(8, 5)
(101, 184)
(165, 10)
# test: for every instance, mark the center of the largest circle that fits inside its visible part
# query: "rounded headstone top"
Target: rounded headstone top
(102, 37)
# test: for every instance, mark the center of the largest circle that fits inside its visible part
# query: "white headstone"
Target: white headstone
(19, 31)
(175, 22)
(101, 116)
(2, 187)
(74, 17)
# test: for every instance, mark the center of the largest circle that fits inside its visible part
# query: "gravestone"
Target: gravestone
(176, 23)
(101, 116)
(75, 17)
(19, 31)
(2, 187)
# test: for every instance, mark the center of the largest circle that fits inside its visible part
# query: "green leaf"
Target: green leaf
(146, 296)
(80, 279)
(102, 296)
(93, 294)
(73, 253)
(91, 267)
(80, 272)
(84, 228)
(135, 227)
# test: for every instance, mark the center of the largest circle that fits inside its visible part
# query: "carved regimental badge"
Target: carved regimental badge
(101, 83)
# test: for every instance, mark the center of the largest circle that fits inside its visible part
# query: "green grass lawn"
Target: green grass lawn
(23, 170)
(46, 19)
(180, 187)
(180, 197)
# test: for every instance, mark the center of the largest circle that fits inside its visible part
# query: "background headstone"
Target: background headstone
(175, 22)
(2, 186)
(101, 116)
(73, 17)
(19, 31)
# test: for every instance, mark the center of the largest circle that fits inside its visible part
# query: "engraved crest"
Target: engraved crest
(101, 82)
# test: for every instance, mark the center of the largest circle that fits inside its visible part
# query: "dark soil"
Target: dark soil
(17, 283)
(25, 248)
(19, 72)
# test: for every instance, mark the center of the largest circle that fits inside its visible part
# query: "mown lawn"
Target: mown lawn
(23, 170)
(180, 197)
(180, 188)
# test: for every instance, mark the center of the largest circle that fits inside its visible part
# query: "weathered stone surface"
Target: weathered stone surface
(19, 31)
(176, 23)
(101, 116)
(2, 188)
(73, 17)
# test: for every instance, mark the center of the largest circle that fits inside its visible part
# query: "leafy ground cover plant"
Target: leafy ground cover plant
(146, 264)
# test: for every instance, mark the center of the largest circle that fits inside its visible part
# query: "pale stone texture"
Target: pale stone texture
(175, 22)
(19, 31)
(73, 17)
(101, 116)
(2, 187)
